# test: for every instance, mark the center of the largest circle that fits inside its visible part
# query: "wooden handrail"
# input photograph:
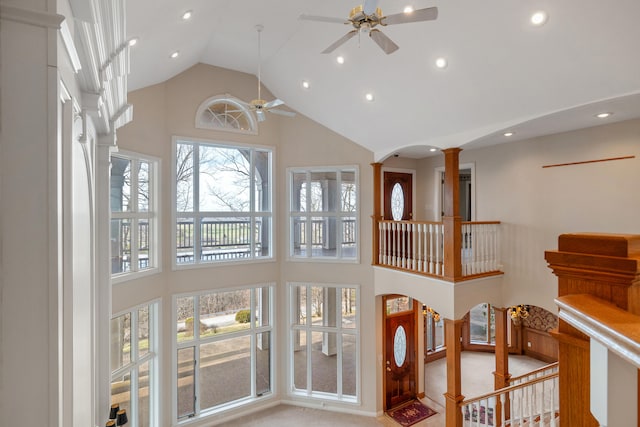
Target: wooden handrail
(535, 371)
(438, 222)
(481, 222)
(600, 320)
(508, 389)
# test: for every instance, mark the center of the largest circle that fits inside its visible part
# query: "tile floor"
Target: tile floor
(435, 379)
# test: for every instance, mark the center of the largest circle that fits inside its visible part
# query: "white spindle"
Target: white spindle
(403, 244)
(381, 240)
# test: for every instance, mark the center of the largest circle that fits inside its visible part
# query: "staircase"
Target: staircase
(530, 400)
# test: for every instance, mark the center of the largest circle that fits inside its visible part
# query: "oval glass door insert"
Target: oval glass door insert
(397, 202)
(400, 346)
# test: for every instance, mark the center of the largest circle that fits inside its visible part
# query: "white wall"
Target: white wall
(28, 258)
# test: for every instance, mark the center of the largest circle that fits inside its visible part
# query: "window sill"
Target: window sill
(127, 277)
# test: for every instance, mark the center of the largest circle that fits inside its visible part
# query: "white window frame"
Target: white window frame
(197, 215)
(294, 327)
(338, 214)
(152, 216)
(152, 357)
(228, 99)
(253, 331)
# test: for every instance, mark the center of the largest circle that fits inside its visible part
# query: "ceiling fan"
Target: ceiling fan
(259, 105)
(366, 18)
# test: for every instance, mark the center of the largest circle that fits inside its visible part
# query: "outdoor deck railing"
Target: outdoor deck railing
(418, 246)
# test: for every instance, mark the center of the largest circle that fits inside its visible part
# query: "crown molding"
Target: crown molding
(30, 17)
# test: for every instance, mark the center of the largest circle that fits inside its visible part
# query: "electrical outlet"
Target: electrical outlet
(528, 343)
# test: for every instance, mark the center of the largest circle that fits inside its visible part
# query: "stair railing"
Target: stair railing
(531, 403)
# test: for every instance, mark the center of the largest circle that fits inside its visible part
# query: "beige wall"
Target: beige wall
(537, 204)
(168, 109)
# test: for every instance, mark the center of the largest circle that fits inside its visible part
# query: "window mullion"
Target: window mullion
(197, 248)
(338, 204)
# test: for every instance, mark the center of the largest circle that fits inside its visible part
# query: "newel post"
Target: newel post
(377, 215)
(608, 267)
(451, 220)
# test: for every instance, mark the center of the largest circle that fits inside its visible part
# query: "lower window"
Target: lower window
(324, 338)
(134, 364)
(223, 349)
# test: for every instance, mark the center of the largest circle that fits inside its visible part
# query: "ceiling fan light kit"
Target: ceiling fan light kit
(366, 17)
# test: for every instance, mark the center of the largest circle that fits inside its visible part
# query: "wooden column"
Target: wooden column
(451, 220)
(608, 267)
(501, 374)
(377, 214)
(453, 396)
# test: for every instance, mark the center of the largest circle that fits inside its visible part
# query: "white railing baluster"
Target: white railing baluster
(381, 240)
(432, 268)
(418, 246)
(403, 244)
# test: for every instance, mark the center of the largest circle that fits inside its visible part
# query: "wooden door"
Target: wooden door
(404, 181)
(398, 202)
(400, 357)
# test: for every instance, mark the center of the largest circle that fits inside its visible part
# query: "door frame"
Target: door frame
(438, 207)
(412, 172)
(415, 340)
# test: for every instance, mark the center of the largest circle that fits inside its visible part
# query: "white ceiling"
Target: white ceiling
(503, 72)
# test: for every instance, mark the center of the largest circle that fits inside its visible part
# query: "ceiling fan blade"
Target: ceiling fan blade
(323, 19)
(260, 115)
(383, 41)
(282, 112)
(273, 103)
(370, 6)
(428, 14)
(340, 42)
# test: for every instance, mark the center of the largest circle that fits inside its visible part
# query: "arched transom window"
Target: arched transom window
(224, 112)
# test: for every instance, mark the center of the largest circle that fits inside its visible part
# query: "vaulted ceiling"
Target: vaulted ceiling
(503, 73)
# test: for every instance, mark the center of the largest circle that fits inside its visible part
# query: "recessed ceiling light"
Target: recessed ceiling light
(175, 54)
(408, 9)
(603, 115)
(508, 134)
(539, 18)
(340, 59)
(369, 97)
(187, 15)
(441, 63)
(305, 84)
(133, 41)
(433, 149)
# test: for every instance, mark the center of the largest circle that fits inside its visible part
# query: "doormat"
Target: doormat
(411, 413)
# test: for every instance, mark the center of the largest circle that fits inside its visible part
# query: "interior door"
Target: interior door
(398, 196)
(400, 357)
(398, 206)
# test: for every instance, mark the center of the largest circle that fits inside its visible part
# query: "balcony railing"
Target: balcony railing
(418, 246)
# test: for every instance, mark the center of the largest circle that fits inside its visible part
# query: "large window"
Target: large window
(324, 213)
(133, 351)
(134, 242)
(324, 341)
(223, 346)
(434, 330)
(223, 199)
(482, 325)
